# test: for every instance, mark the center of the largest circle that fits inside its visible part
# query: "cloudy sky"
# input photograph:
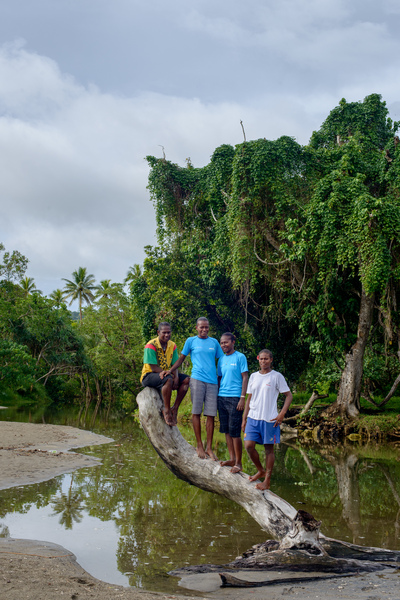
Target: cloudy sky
(88, 88)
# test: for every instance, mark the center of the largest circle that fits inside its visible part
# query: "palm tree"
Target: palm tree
(29, 286)
(104, 288)
(80, 288)
(133, 274)
(58, 297)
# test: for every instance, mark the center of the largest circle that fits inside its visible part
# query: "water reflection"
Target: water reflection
(130, 520)
(69, 506)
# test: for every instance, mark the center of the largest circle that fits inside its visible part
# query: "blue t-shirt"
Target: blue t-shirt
(203, 354)
(230, 368)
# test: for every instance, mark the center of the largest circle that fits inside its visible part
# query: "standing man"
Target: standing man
(203, 351)
(233, 376)
(159, 354)
(261, 420)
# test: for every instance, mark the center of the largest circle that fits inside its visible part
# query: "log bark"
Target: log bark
(271, 512)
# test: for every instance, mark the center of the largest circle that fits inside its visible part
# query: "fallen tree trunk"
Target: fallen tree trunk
(300, 547)
(274, 514)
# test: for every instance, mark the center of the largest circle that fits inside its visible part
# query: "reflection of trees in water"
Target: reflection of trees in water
(69, 507)
(4, 531)
(396, 496)
(365, 480)
(346, 469)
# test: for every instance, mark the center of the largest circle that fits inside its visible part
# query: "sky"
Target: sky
(89, 88)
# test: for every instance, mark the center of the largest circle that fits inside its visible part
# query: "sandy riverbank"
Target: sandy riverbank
(32, 570)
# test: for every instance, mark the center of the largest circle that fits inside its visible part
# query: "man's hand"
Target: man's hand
(162, 374)
(278, 420)
(240, 405)
(244, 424)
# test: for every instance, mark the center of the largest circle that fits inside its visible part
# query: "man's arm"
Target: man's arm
(283, 412)
(245, 380)
(176, 364)
(157, 369)
(246, 412)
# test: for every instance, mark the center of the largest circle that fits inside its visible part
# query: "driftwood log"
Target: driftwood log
(298, 543)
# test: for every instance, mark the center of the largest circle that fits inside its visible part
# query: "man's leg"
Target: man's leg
(164, 388)
(210, 411)
(166, 392)
(252, 452)
(182, 389)
(210, 434)
(196, 422)
(269, 463)
(231, 450)
(237, 447)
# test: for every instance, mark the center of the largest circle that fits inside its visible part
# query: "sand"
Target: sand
(38, 570)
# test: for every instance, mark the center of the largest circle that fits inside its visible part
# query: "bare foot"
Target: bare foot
(211, 454)
(263, 486)
(200, 452)
(226, 463)
(258, 475)
(236, 468)
(168, 418)
(174, 415)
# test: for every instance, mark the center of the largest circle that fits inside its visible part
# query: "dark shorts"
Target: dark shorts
(262, 432)
(230, 419)
(153, 380)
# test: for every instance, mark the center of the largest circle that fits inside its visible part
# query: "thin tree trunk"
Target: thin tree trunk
(348, 399)
(99, 399)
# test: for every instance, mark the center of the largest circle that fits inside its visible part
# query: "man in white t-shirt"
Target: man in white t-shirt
(261, 421)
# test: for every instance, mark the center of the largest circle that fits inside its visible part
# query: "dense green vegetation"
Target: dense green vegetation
(291, 247)
(47, 356)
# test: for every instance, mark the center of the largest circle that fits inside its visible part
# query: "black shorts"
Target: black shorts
(230, 418)
(153, 380)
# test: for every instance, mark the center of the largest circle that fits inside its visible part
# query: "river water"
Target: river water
(130, 520)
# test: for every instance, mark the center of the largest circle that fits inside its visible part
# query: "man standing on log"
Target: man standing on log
(233, 376)
(261, 421)
(203, 351)
(159, 354)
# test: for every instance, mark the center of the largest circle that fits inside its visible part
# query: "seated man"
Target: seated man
(159, 354)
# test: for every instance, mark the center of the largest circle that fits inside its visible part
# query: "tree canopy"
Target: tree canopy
(294, 247)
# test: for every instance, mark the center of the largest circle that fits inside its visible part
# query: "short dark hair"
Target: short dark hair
(265, 351)
(202, 319)
(163, 324)
(229, 335)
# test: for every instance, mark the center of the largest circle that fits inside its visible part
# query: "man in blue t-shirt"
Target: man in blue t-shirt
(233, 375)
(203, 352)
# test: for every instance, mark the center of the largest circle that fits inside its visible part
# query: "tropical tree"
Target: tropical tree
(106, 288)
(13, 266)
(295, 247)
(80, 288)
(29, 286)
(58, 297)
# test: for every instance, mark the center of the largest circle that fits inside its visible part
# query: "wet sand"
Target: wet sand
(33, 570)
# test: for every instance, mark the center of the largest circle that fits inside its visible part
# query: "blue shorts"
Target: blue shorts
(262, 432)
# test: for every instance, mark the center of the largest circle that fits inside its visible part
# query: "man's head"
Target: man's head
(265, 359)
(227, 342)
(202, 327)
(164, 332)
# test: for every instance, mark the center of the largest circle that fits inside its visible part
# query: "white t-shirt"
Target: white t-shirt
(264, 390)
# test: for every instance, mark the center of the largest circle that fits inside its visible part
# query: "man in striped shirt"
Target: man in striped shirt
(159, 354)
